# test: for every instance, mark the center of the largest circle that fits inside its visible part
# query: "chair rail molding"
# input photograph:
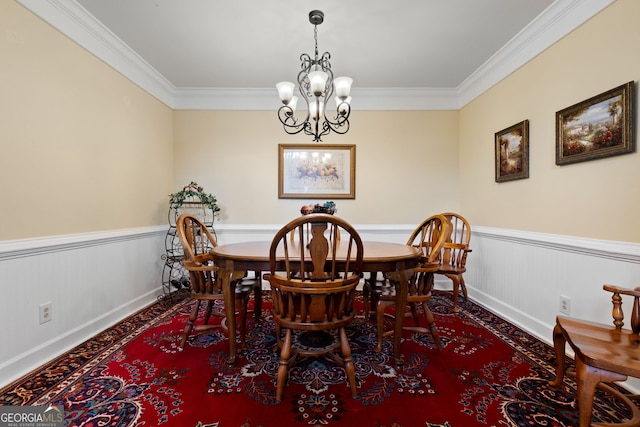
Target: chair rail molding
(622, 251)
(10, 249)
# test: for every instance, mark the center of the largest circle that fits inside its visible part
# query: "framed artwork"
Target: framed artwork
(311, 171)
(512, 152)
(601, 126)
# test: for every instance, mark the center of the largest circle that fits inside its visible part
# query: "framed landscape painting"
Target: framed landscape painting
(601, 126)
(311, 171)
(512, 152)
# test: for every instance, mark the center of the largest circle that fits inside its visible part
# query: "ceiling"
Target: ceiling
(439, 45)
(257, 43)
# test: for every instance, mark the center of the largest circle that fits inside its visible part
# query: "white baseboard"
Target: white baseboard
(26, 362)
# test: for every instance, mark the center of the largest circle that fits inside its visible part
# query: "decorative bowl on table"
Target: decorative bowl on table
(327, 208)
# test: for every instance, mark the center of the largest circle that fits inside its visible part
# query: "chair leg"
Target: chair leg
(380, 322)
(414, 314)
(285, 354)
(257, 303)
(586, 388)
(257, 300)
(207, 314)
(349, 368)
(242, 309)
(369, 295)
(189, 327)
(278, 337)
(559, 347)
(456, 291)
(428, 315)
(587, 379)
(463, 286)
(373, 302)
(367, 291)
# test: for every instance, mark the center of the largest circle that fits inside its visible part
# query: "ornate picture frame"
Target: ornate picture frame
(312, 171)
(601, 126)
(512, 152)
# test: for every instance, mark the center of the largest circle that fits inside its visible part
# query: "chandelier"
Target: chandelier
(316, 85)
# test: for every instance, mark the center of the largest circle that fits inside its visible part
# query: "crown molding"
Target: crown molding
(555, 22)
(267, 99)
(71, 19)
(415, 98)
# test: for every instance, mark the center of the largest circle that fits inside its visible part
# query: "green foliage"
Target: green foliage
(193, 193)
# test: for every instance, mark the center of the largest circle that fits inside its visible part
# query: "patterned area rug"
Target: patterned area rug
(489, 373)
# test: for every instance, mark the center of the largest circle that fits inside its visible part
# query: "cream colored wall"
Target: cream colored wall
(596, 199)
(406, 164)
(82, 148)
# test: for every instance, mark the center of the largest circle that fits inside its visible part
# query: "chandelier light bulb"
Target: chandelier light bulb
(316, 109)
(318, 82)
(285, 90)
(343, 86)
(292, 104)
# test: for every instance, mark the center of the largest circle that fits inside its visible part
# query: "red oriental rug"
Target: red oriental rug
(490, 373)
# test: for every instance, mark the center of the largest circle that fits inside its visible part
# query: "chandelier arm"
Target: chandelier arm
(340, 125)
(325, 65)
(326, 128)
(308, 130)
(343, 112)
(304, 85)
(305, 61)
(342, 129)
(344, 109)
(289, 121)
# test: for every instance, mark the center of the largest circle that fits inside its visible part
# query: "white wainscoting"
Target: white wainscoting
(521, 275)
(94, 280)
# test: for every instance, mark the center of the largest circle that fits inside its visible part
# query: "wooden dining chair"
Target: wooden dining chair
(430, 237)
(453, 260)
(313, 290)
(197, 241)
(603, 353)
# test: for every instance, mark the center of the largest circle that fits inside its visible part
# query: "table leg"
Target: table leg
(228, 292)
(402, 288)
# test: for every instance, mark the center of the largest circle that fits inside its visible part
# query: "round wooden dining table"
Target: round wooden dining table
(234, 259)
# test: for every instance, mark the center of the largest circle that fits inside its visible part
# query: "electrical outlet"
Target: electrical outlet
(45, 312)
(565, 305)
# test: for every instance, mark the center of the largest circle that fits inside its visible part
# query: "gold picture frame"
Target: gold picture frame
(601, 126)
(512, 152)
(312, 171)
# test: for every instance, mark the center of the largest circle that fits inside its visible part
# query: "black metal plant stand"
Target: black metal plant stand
(175, 279)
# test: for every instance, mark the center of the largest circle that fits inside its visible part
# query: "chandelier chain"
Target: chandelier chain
(315, 36)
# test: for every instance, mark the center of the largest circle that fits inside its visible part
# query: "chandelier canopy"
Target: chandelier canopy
(316, 85)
